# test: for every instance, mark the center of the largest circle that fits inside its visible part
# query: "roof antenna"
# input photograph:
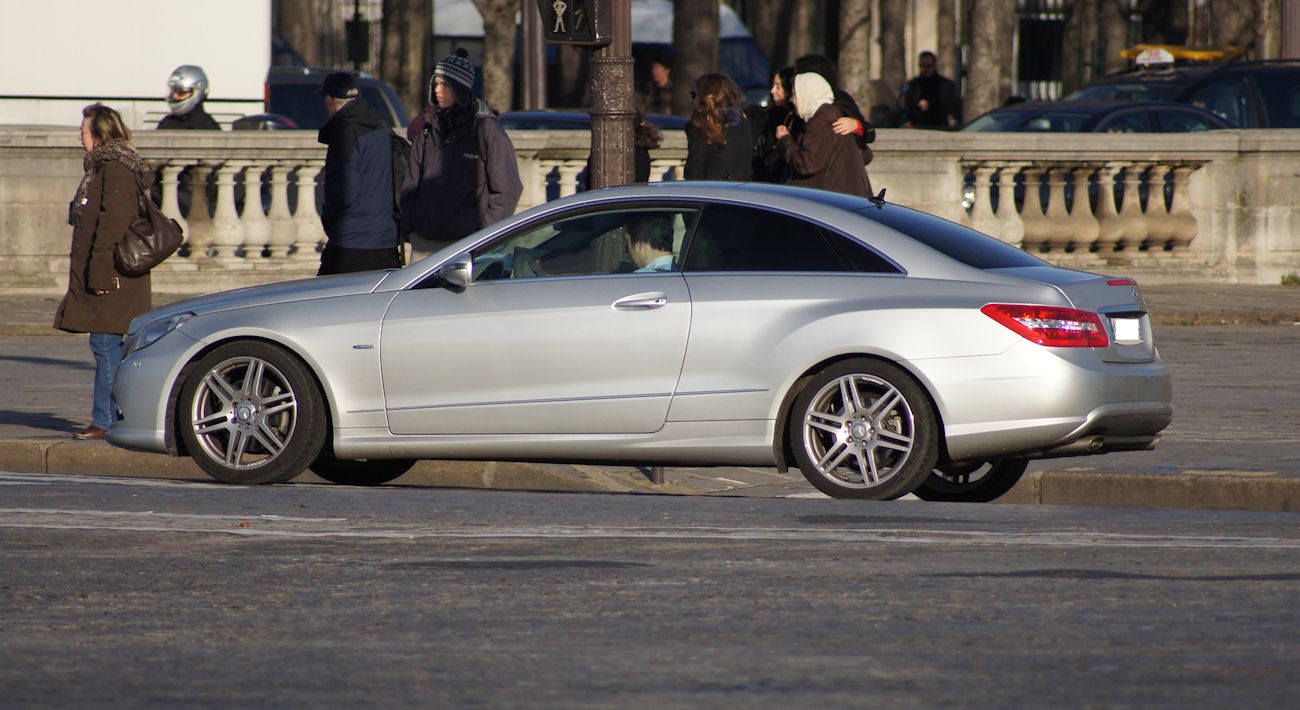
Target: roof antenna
(878, 200)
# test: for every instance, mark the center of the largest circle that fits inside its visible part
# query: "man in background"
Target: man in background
(931, 100)
(358, 211)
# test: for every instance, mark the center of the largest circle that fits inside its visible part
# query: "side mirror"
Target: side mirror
(458, 273)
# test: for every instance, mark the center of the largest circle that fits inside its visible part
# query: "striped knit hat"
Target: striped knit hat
(457, 68)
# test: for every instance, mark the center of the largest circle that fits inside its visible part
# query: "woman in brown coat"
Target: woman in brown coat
(818, 156)
(100, 301)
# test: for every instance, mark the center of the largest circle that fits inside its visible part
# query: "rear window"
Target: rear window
(963, 244)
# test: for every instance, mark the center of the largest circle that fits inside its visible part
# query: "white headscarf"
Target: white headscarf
(811, 93)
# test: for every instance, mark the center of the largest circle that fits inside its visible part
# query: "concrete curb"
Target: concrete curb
(1136, 490)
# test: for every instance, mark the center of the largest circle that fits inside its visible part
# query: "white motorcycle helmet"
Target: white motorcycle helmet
(186, 89)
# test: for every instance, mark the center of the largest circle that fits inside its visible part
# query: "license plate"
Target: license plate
(1127, 330)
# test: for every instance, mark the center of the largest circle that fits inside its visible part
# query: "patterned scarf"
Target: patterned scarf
(118, 150)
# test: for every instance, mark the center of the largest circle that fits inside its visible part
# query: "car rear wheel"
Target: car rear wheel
(977, 482)
(368, 472)
(252, 413)
(864, 429)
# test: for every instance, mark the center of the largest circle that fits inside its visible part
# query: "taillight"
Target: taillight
(1050, 326)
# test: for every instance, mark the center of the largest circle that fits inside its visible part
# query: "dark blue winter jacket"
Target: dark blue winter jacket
(358, 209)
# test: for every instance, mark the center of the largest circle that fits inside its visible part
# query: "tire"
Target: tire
(369, 472)
(864, 415)
(252, 413)
(978, 482)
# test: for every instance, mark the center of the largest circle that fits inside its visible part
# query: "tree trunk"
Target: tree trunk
(1234, 25)
(855, 51)
(1074, 45)
(948, 51)
(1114, 32)
(804, 39)
(695, 48)
(406, 45)
(990, 55)
(764, 18)
(893, 50)
(498, 51)
(297, 23)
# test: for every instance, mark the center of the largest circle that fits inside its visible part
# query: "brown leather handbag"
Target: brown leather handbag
(149, 239)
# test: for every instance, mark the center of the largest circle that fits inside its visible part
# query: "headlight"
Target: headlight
(153, 330)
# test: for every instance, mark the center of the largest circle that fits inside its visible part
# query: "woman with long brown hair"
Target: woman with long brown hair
(99, 300)
(719, 141)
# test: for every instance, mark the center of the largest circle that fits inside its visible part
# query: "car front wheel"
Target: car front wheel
(864, 429)
(977, 482)
(252, 413)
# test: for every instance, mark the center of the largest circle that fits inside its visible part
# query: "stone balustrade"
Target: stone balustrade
(1215, 206)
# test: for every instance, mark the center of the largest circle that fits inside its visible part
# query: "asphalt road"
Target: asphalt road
(129, 592)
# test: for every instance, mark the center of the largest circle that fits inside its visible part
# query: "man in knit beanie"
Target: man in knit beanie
(463, 175)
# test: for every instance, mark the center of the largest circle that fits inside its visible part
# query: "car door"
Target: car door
(763, 286)
(557, 334)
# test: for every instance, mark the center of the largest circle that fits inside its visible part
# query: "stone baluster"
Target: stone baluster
(257, 227)
(229, 232)
(569, 170)
(1109, 226)
(1011, 229)
(545, 169)
(310, 233)
(1084, 227)
(1037, 228)
(1159, 227)
(1180, 215)
(284, 231)
(661, 169)
(982, 218)
(202, 230)
(1058, 235)
(169, 174)
(532, 173)
(1133, 222)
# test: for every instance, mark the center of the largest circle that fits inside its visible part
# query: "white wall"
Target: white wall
(59, 55)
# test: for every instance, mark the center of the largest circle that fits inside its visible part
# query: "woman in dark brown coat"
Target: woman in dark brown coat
(818, 156)
(100, 301)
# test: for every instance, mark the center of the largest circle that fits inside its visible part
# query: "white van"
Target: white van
(60, 55)
(457, 23)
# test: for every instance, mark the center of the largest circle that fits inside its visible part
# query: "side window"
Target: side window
(627, 240)
(1229, 99)
(743, 239)
(1180, 122)
(376, 99)
(1129, 122)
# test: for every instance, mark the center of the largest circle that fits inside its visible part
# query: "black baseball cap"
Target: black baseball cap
(340, 85)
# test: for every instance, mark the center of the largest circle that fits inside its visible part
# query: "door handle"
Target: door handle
(641, 302)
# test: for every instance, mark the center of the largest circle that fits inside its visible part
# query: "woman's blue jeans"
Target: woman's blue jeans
(107, 349)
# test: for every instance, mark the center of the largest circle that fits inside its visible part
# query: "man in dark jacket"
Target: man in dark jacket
(930, 99)
(462, 174)
(358, 210)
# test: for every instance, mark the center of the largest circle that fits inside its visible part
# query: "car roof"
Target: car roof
(1095, 109)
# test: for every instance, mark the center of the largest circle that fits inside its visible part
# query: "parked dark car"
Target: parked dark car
(291, 93)
(573, 120)
(1098, 117)
(1255, 94)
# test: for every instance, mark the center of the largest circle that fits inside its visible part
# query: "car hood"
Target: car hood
(282, 292)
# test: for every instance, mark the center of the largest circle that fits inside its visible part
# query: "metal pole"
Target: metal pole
(534, 58)
(612, 113)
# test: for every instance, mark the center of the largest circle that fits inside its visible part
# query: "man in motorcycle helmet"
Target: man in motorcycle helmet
(186, 89)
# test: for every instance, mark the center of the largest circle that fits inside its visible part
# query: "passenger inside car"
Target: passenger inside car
(650, 242)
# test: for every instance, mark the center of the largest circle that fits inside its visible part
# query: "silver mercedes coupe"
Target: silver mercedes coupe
(881, 350)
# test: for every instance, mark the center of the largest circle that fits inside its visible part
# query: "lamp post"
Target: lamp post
(606, 27)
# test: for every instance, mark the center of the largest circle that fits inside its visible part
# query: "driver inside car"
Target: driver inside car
(650, 242)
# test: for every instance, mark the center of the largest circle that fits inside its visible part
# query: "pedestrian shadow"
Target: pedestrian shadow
(38, 420)
(49, 361)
